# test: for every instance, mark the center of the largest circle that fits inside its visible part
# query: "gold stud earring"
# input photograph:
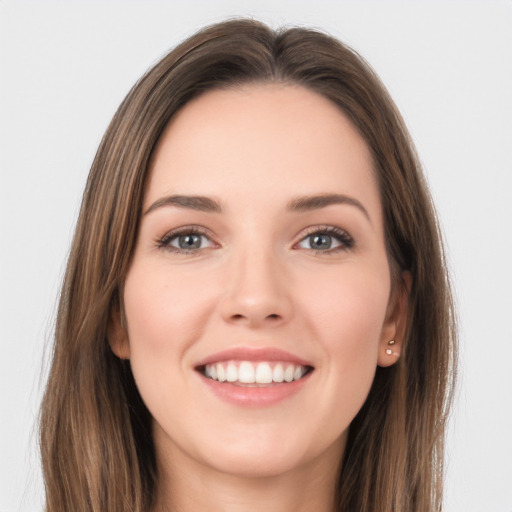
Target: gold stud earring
(388, 350)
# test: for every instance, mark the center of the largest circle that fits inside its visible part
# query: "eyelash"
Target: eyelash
(165, 241)
(345, 240)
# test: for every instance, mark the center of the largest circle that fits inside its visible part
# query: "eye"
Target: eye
(326, 239)
(187, 240)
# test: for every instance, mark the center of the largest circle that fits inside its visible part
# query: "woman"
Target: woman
(256, 313)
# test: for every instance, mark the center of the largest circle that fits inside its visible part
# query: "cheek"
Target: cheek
(347, 319)
(166, 314)
(165, 311)
(349, 310)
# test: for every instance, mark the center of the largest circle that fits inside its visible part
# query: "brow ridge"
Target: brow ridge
(200, 203)
(297, 204)
(317, 201)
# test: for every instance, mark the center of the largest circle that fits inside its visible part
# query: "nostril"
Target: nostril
(239, 317)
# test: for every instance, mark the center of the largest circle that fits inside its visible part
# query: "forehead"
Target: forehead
(266, 140)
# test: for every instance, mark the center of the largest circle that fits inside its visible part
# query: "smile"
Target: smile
(250, 377)
(248, 372)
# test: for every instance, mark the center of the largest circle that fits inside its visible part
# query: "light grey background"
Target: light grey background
(65, 67)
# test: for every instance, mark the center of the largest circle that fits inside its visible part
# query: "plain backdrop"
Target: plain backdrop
(65, 67)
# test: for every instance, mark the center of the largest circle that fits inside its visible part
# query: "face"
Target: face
(257, 303)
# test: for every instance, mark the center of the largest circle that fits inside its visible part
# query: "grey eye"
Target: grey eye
(320, 242)
(190, 241)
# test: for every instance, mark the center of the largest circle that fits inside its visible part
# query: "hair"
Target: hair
(96, 435)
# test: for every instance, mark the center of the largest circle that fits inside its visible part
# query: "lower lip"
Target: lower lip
(255, 396)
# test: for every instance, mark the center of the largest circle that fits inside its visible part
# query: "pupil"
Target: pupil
(321, 241)
(189, 241)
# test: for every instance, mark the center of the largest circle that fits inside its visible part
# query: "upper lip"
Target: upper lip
(253, 354)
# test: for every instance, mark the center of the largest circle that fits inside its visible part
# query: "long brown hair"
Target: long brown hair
(96, 438)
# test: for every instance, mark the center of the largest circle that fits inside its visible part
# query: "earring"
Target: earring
(388, 350)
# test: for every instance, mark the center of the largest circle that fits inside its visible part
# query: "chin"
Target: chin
(262, 454)
(257, 463)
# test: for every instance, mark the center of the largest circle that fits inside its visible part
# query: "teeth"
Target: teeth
(246, 373)
(263, 373)
(288, 373)
(231, 373)
(249, 373)
(221, 374)
(278, 373)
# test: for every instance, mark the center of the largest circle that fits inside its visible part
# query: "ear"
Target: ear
(395, 325)
(117, 333)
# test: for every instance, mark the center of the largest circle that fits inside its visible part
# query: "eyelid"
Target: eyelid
(163, 242)
(346, 241)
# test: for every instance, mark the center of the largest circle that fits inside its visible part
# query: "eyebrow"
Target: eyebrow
(298, 204)
(306, 203)
(199, 203)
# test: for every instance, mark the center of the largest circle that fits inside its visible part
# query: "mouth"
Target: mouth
(251, 377)
(254, 373)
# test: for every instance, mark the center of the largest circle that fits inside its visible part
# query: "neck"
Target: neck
(188, 486)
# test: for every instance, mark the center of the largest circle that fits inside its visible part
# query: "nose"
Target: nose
(257, 292)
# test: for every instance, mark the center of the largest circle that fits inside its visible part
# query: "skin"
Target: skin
(255, 281)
